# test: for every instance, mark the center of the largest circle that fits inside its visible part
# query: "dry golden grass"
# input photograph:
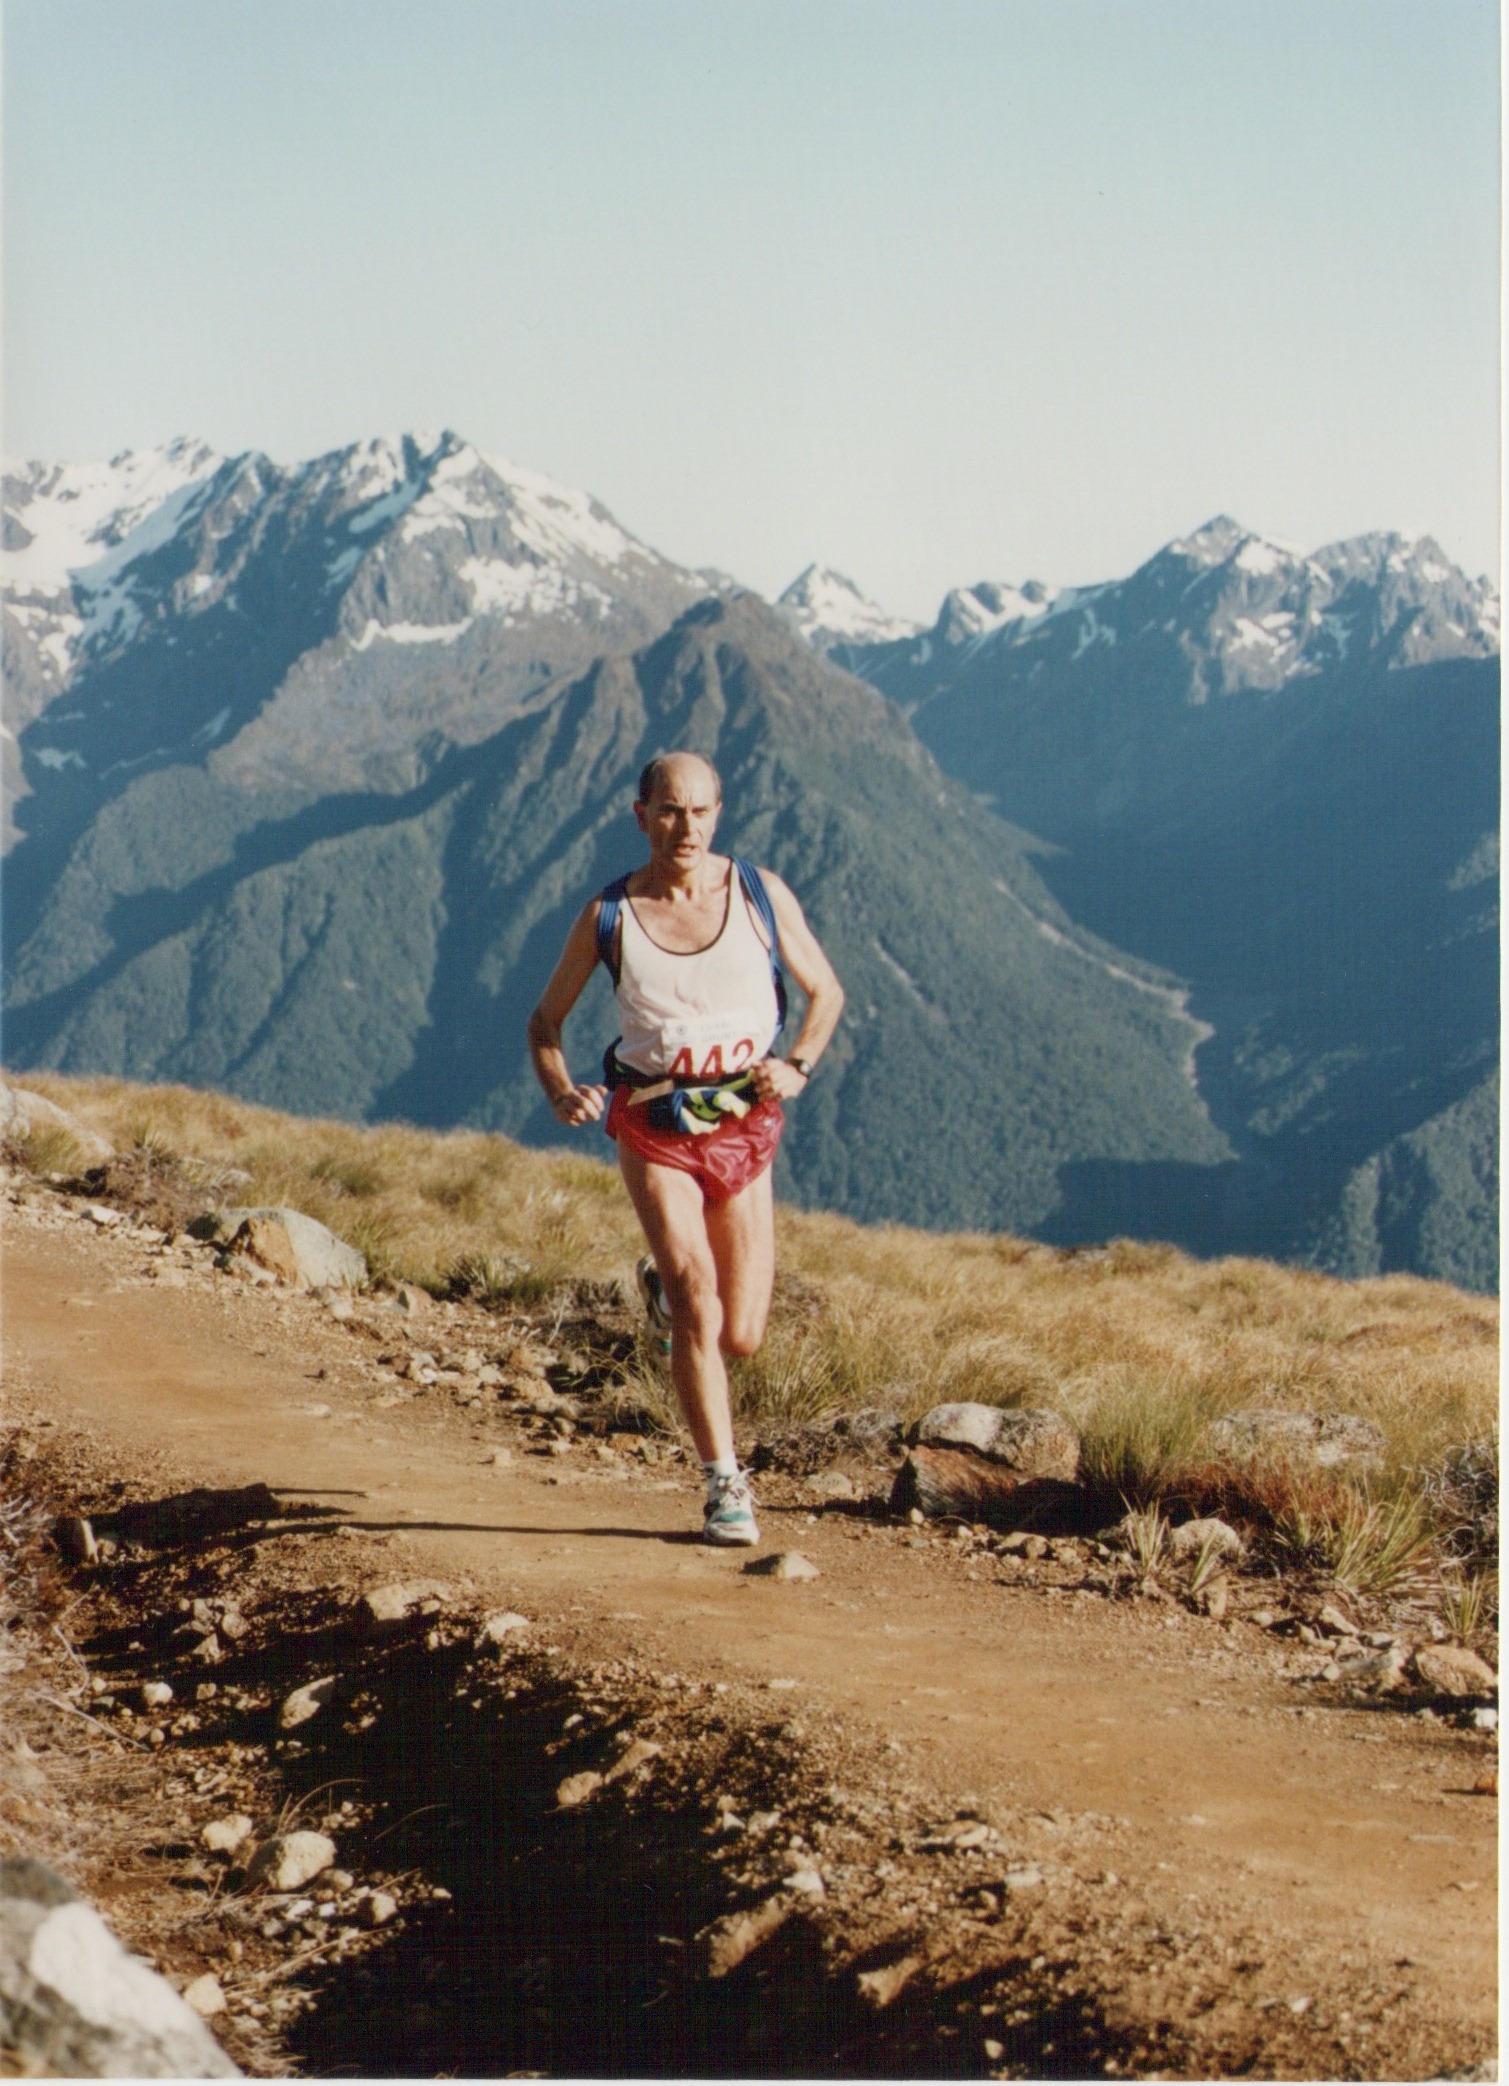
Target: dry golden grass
(1140, 1345)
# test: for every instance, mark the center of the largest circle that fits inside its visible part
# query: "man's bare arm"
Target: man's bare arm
(803, 955)
(573, 1104)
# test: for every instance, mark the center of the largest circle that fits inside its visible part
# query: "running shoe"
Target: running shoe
(656, 1310)
(728, 1518)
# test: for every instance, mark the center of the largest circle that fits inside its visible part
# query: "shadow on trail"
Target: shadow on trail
(568, 1945)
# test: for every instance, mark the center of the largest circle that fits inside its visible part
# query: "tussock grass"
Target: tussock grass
(1140, 1345)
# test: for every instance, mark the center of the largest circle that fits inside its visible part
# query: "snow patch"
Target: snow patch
(410, 634)
(1259, 557)
(56, 757)
(388, 508)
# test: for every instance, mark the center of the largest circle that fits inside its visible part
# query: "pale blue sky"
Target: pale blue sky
(929, 290)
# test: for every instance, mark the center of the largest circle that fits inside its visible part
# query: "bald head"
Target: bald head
(668, 770)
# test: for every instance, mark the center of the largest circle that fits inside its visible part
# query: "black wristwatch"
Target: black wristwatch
(800, 1064)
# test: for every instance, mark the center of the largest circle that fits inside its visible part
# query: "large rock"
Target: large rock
(301, 1249)
(1324, 1440)
(1031, 1441)
(22, 1112)
(1451, 1669)
(957, 1484)
(74, 2004)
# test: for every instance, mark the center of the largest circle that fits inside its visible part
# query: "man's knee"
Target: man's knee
(691, 1290)
(743, 1332)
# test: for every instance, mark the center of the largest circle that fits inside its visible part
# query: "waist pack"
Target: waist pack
(679, 1106)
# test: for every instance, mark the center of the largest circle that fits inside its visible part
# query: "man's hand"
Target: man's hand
(578, 1105)
(774, 1080)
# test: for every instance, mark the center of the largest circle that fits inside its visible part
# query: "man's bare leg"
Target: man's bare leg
(674, 1218)
(741, 1233)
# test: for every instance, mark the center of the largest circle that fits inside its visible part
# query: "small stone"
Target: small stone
(831, 1484)
(637, 1754)
(785, 1565)
(384, 1610)
(1451, 1669)
(412, 1302)
(234, 1625)
(576, 1789)
(97, 1213)
(499, 1628)
(75, 1538)
(1334, 1622)
(377, 1908)
(1034, 1547)
(155, 1694)
(1485, 1720)
(225, 1835)
(808, 1882)
(727, 1942)
(877, 1988)
(1191, 1537)
(1377, 1672)
(1215, 1599)
(205, 1996)
(306, 1702)
(289, 1860)
(1023, 1879)
(499, 1458)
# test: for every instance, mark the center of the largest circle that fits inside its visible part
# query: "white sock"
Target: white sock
(720, 1467)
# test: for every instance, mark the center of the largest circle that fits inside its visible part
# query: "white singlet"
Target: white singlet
(698, 1016)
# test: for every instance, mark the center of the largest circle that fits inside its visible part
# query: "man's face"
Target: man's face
(678, 821)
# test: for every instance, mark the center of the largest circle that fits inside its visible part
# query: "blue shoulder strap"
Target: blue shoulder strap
(759, 898)
(607, 923)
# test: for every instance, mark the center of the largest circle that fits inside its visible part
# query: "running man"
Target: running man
(693, 1094)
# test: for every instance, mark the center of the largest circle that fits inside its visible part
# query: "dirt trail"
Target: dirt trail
(1339, 1837)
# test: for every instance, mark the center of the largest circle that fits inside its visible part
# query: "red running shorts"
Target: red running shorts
(723, 1162)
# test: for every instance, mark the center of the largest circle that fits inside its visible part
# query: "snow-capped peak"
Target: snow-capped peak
(830, 610)
(63, 519)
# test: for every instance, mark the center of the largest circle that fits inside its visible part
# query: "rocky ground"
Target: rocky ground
(467, 1758)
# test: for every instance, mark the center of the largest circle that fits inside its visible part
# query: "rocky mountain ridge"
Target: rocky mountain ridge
(1227, 609)
(306, 766)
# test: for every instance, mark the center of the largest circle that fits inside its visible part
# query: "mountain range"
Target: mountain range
(1163, 906)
